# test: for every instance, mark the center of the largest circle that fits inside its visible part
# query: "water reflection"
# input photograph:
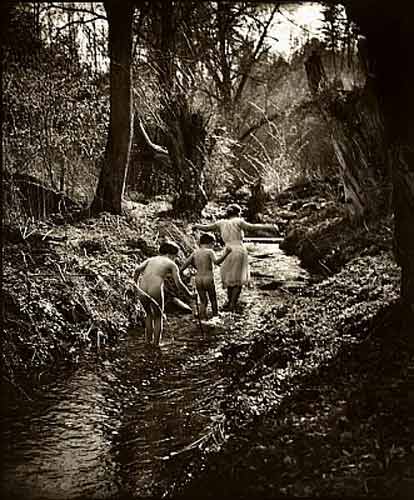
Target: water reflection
(161, 419)
(61, 450)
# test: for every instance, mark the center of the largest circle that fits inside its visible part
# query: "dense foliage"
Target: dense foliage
(56, 110)
(219, 116)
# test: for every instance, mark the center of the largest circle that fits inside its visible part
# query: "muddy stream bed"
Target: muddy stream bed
(111, 426)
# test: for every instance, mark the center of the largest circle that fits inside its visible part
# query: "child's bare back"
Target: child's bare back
(155, 272)
(203, 261)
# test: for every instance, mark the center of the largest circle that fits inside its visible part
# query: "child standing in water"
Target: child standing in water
(151, 288)
(203, 259)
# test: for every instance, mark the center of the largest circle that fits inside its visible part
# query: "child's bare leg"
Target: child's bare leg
(211, 290)
(159, 319)
(158, 328)
(203, 301)
(149, 328)
(226, 306)
(235, 294)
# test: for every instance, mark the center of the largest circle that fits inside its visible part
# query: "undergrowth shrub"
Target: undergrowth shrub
(219, 171)
(56, 111)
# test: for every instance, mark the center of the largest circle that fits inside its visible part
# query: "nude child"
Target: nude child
(203, 260)
(151, 288)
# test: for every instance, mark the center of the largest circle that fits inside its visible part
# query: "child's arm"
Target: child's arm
(187, 262)
(207, 227)
(139, 269)
(247, 226)
(219, 260)
(177, 279)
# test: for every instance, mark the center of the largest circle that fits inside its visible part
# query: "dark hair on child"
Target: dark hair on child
(169, 247)
(233, 210)
(206, 238)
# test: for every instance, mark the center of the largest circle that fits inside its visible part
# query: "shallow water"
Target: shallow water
(109, 427)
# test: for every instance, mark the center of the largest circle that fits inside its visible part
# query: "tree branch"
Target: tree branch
(253, 59)
(76, 21)
(154, 147)
(63, 7)
(259, 124)
(294, 23)
(142, 13)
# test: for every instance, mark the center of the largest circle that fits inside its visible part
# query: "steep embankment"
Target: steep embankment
(319, 231)
(308, 409)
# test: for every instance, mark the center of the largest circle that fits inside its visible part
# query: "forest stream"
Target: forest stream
(128, 124)
(110, 427)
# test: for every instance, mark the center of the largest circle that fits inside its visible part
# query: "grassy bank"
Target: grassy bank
(66, 286)
(309, 409)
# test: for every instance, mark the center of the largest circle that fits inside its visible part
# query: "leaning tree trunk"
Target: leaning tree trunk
(111, 183)
(357, 134)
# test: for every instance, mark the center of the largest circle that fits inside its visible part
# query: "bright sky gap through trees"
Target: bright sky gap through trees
(293, 25)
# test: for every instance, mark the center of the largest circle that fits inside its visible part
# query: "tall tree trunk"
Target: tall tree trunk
(111, 183)
(167, 42)
(396, 80)
(390, 58)
(254, 57)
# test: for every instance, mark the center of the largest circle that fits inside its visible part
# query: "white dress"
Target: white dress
(235, 268)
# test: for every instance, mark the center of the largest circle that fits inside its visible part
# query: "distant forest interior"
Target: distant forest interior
(216, 105)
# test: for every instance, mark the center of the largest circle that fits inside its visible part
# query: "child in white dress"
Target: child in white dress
(235, 269)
